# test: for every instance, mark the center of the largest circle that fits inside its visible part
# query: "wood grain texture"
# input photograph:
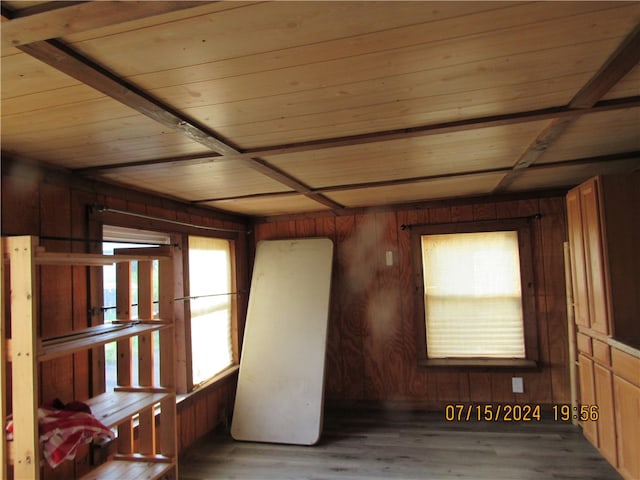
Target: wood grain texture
(361, 444)
(372, 347)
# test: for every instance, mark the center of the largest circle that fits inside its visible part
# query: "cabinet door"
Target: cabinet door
(606, 421)
(588, 396)
(627, 402)
(594, 256)
(578, 263)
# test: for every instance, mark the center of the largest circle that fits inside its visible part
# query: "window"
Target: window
(204, 342)
(476, 285)
(116, 238)
(210, 286)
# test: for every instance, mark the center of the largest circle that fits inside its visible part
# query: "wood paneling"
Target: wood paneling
(372, 342)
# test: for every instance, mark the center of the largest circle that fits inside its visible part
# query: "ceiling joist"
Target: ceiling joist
(375, 137)
(68, 61)
(619, 63)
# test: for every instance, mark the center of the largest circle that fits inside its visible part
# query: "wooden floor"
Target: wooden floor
(423, 446)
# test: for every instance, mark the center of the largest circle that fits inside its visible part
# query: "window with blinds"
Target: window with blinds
(473, 297)
(210, 287)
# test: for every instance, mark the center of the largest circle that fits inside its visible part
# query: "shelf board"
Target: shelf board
(113, 408)
(94, 337)
(87, 259)
(135, 470)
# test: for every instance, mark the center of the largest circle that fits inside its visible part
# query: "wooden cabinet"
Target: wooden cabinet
(604, 233)
(603, 217)
(153, 453)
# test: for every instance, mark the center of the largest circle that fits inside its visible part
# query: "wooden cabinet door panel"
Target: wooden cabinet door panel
(588, 396)
(578, 262)
(594, 256)
(627, 404)
(606, 421)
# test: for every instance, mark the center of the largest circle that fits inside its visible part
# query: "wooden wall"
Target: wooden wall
(50, 203)
(372, 345)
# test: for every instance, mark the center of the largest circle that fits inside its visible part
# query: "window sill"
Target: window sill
(223, 375)
(479, 362)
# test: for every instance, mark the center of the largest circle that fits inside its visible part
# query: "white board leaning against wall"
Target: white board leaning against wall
(280, 391)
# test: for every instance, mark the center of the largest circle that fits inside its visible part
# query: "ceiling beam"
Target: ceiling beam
(619, 63)
(66, 18)
(374, 137)
(407, 181)
(66, 60)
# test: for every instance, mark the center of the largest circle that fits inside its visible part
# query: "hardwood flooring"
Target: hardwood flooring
(406, 445)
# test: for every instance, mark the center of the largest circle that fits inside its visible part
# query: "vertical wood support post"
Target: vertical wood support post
(168, 442)
(146, 423)
(123, 349)
(24, 362)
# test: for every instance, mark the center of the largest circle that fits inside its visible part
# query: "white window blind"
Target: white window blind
(473, 300)
(210, 280)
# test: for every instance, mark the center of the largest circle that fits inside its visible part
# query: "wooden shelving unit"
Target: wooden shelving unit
(143, 412)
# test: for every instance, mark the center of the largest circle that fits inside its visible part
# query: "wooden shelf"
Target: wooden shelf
(153, 454)
(87, 259)
(131, 470)
(95, 337)
(112, 408)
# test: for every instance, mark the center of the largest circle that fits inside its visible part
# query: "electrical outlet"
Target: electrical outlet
(517, 385)
(389, 258)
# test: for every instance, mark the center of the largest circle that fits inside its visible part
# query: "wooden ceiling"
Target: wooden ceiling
(290, 107)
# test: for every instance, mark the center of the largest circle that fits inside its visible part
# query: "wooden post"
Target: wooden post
(146, 423)
(123, 348)
(3, 363)
(24, 358)
(571, 329)
(168, 441)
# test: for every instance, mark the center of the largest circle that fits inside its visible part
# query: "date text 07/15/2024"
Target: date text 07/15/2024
(519, 413)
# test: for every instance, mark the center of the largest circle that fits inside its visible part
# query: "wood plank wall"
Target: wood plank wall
(50, 203)
(372, 346)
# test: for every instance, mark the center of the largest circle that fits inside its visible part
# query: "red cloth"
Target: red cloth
(63, 431)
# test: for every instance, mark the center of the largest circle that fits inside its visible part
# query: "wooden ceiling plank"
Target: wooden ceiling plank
(382, 136)
(66, 60)
(437, 129)
(619, 63)
(34, 26)
(407, 181)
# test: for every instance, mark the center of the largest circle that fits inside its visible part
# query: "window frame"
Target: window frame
(188, 383)
(524, 231)
(182, 331)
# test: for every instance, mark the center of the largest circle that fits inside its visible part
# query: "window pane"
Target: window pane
(473, 301)
(210, 280)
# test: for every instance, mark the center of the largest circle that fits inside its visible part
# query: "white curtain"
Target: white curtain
(210, 277)
(473, 301)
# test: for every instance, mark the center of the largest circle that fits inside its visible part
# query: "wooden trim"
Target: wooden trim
(479, 363)
(527, 279)
(31, 26)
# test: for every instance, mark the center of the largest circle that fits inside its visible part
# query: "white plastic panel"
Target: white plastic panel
(281, 380)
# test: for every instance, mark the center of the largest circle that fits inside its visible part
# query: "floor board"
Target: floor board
(406, 445)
